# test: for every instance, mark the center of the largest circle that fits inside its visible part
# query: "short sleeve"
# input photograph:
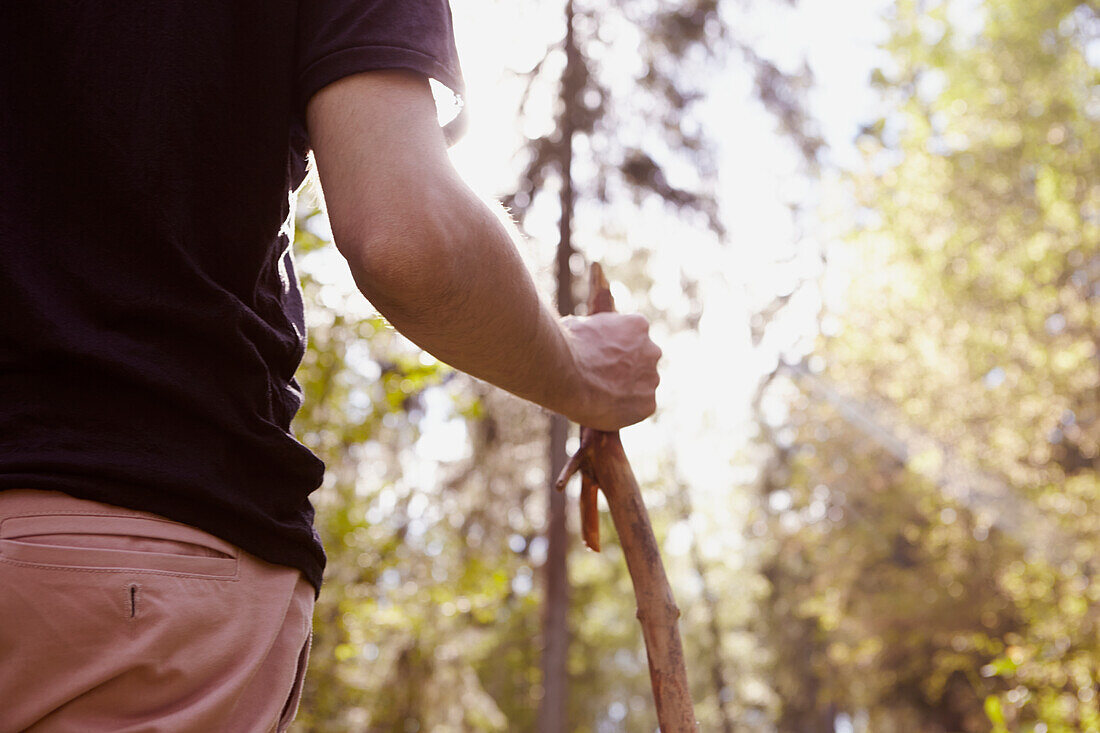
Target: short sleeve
(337, 38)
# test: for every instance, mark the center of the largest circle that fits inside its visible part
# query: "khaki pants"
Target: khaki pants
(117, 620)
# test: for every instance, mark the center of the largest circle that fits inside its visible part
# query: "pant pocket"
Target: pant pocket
(113, 543)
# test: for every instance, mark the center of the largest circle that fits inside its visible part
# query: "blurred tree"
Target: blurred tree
(425, 620)
(429, 613)
(555, 648)
(932, 525)
(636, 140)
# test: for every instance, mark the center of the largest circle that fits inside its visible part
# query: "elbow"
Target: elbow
(409, 263)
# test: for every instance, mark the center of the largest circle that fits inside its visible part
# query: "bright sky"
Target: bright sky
(708, 375)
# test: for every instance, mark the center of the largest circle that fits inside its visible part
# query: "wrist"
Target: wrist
(577, 395)
(561, 375)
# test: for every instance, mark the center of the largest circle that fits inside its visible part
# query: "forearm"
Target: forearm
(445, 270)
(463, 294)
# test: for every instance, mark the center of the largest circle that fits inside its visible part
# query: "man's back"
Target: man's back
(152, 321)
(151, 325)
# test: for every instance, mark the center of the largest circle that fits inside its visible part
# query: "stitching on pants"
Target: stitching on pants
(121, 515)
(131, 597)
(194, 576)
(290, 708)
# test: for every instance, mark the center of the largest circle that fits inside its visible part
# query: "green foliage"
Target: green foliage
(431, 612)
(934, 523)
(929, 522)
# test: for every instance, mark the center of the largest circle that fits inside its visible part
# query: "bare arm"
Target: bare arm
(444, 270)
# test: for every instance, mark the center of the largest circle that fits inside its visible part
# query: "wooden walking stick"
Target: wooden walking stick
(603, 466)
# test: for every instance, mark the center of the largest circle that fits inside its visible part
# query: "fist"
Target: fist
(616, 365)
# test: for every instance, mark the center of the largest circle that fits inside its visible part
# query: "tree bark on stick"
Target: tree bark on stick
(604, 466)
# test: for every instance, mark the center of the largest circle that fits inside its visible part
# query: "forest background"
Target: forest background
(868, 236)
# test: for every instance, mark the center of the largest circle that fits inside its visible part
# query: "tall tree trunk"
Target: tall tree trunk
(553, 707)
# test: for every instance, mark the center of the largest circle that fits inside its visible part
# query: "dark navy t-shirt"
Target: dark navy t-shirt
(150, 319)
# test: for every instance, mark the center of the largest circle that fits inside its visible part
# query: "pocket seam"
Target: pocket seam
(30, 562)
(199, 536)
(143, 571)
